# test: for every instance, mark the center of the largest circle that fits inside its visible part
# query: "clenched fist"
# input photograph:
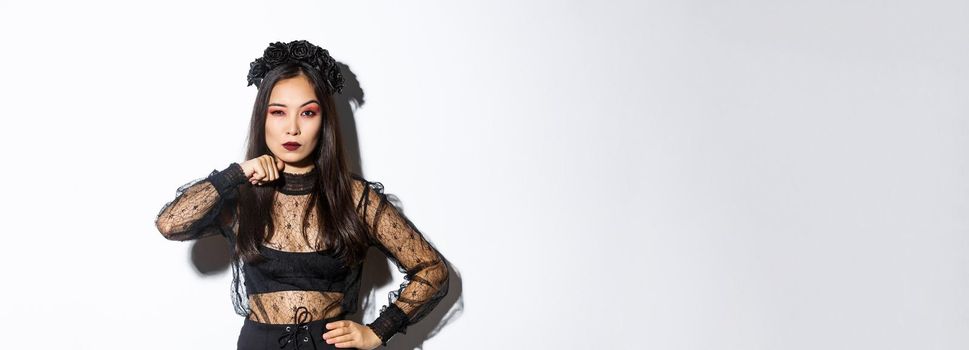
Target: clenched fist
(262, 169)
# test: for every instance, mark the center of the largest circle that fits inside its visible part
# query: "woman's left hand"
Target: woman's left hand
(349, 334)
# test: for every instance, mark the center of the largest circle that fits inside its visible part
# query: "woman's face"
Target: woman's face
(293, 117)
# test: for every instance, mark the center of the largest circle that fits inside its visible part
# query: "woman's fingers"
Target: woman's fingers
(339, 331)
(271, 162)
(267, 173)
(342, 339)
(344, 334)
(263, 169)
(257, 173)
(264, 172)
(338, 324)
(347, 344)
(280, 164)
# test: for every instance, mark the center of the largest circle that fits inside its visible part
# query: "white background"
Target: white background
(631, 175)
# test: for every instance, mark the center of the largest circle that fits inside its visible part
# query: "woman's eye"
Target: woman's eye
(276, 113)
(310, 113)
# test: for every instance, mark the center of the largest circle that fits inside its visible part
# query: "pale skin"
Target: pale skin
(294, 116)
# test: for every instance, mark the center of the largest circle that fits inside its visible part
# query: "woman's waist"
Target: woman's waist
(320, 323)
(295, 306)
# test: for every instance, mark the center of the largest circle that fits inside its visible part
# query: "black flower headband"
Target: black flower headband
(299, 51)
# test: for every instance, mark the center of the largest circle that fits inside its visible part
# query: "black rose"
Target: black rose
(319, 63)
(335, 78)
(339, 84)
(301, 49)
(257, 69)
(275, 54)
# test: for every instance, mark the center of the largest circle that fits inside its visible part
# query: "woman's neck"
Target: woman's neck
(299, 168)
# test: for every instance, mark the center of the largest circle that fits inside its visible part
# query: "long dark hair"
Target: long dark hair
(344, 232)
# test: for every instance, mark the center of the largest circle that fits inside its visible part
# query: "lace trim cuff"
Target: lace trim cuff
(227, 180)
(391, 321)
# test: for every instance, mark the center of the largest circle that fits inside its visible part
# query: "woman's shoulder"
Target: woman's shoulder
(361, 184)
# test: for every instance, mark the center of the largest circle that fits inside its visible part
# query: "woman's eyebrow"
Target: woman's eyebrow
(305, 103)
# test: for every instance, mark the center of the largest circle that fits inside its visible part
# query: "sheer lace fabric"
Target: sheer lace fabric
(425, 269)
(191, 214)
(290, 235)
(278, 307)
(207, 206)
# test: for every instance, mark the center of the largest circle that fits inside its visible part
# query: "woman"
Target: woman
(300, 222)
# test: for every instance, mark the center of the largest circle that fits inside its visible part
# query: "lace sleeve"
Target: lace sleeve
(425, 269)
(197, 210)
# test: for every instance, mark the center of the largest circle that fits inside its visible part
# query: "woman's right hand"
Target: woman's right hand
(262, 169)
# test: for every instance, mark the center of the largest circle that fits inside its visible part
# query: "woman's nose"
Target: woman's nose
(293, 127)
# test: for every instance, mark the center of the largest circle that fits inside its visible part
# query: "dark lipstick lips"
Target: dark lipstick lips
(291, 146)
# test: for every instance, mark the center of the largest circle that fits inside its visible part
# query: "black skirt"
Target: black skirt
(304, 336)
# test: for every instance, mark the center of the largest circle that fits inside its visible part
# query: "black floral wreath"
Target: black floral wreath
(301, 51)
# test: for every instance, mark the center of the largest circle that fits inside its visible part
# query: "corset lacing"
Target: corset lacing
(301, 319)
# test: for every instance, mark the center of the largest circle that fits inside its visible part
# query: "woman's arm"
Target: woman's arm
(201, 206)
(426, 279)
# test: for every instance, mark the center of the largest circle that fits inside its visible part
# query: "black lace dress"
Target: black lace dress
(308, 280)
